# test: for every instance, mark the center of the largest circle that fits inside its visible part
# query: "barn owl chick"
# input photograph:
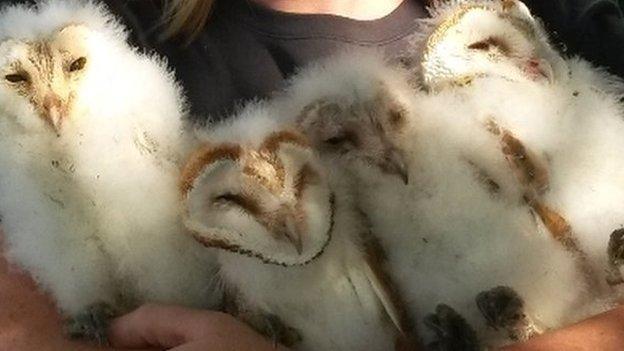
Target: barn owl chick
(90, 138)
(449, 234)
(264, 190)
(561, 140)
(361, 120)
(291, 245)
(467, 39)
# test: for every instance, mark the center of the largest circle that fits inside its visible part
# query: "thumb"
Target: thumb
(183, 329)
(161, 326)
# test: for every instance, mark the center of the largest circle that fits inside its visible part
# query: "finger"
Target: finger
(231, 344)
(160, 326)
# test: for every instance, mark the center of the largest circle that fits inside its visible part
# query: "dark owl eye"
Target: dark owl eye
(342, 139)
(480, 45)
(336, 140)
(489, 43)
(78, 64)
(396, 117)
(16, 78)
(246, 203)
(228, 197)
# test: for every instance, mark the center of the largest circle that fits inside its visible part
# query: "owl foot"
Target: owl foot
(503, 309)
(453, 333)
(615, 253)
(271, 326)
(91, 324)
(281, 333)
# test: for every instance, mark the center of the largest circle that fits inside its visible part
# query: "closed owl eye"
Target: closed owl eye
(341, 139)
(16, 77)
(78, 64)
(336, 140)
(489, 43)
(242, 201)
(397, 117)
(228, 197)
(480, 45)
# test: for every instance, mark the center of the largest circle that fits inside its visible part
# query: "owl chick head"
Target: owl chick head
(469, 39)
(46, 54)
(365, 131)
(269, 201)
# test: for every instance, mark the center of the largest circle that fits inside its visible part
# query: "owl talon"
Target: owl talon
(615, 253)
(503, 309)
(91, 324)
(452, 331)
(278, 332)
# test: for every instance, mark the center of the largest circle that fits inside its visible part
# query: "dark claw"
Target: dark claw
(279, 332)
(503, 308)
(615, 249)
(615, 253)
(91, 324)
(452, 331)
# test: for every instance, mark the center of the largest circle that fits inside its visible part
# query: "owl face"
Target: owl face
(364, 132)
(269, 201)
(42, 76)
(487, 39)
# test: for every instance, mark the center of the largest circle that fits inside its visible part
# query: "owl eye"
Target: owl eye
(228, 197)
(239, 200)
(480, 45)
(396, 117)
(78, 64)
(345, 140)
(489, 43)
(336, 140)
(16, 78)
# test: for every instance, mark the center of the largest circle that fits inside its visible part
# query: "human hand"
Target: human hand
(181, 329)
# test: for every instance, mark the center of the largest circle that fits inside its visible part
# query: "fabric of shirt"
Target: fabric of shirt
(247, 51)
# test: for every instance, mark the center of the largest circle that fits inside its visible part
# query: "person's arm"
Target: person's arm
(190, 330)
(593, 29)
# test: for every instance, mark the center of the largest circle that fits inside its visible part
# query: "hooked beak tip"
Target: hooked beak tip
(394, 164)
(296, 241)
(298, 246)
(541, 68)
(404, 176)
(55, 120)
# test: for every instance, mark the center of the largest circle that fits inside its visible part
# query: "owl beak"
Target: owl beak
(394, 163)
(53, 112)
(291, 234)
(540, 68)
(295, 240)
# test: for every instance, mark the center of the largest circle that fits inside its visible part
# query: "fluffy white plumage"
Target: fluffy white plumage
(329, 290)
(89, 162)
(462, 225)
(447, 236)
(570, 125)
(466, 223)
